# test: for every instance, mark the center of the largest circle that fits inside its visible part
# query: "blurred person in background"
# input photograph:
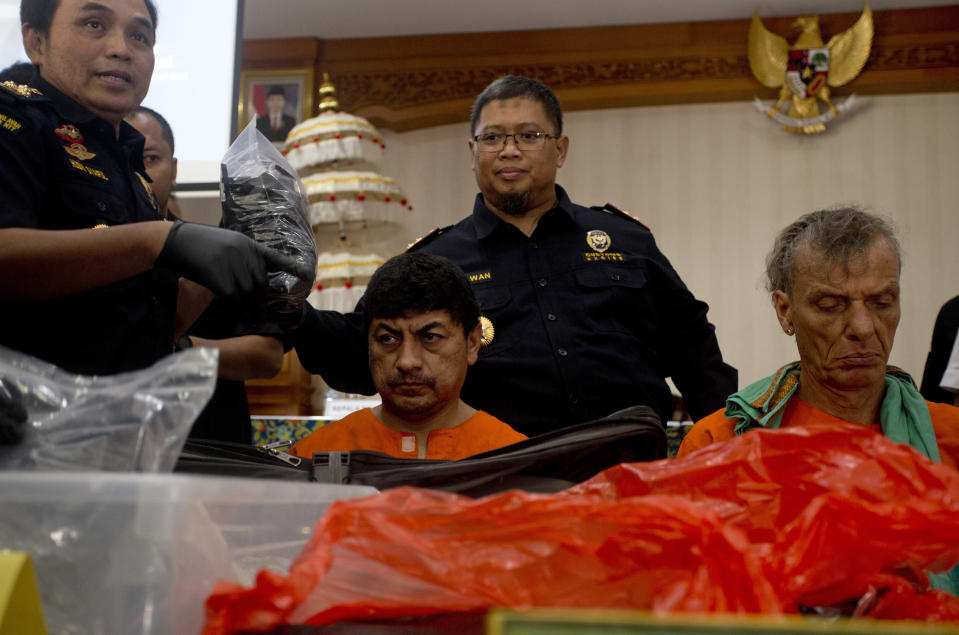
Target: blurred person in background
(250, 348)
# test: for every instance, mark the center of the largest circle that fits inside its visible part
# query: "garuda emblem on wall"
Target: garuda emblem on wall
(804, 71)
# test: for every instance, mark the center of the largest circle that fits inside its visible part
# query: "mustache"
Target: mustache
(415, 376)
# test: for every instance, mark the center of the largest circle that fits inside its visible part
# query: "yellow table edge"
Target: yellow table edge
(20, 610)
(508, 622)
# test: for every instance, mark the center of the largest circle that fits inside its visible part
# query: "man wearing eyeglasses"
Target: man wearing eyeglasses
(582, 314)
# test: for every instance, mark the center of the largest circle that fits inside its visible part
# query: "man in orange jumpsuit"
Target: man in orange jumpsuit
(423, 332)
(834, 280)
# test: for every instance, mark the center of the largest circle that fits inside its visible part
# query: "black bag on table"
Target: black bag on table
(548, 462)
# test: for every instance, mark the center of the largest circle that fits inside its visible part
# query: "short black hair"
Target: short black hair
(415, 282)
(165, 130)
(512, 86)
(275, 89)
(18, 73)
(39, 13)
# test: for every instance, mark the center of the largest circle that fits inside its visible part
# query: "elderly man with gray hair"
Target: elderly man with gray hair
(834, 280)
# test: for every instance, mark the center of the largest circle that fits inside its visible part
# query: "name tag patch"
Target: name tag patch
(481, 276)
(87, 169)
(609, 256)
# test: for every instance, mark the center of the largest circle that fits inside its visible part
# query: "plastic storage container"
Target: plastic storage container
(138, 553)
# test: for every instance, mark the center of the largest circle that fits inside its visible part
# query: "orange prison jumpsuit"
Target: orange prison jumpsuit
(716, 427)
(361, 430)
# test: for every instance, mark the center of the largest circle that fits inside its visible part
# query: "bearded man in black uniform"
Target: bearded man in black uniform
(89, 272)
(583, 314)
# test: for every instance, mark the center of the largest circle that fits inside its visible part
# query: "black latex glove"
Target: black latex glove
(13, 416)
(288, 320)
(226, 262)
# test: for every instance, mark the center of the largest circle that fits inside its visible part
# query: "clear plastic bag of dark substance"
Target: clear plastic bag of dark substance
(262, 197)
(136, 421)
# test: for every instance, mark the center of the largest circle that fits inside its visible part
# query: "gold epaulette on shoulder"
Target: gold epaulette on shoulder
(21, 89)
(609, 207)
(419, 242)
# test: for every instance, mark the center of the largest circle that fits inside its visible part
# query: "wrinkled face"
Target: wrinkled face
(513, 180)
(845, 322)
(275, 104)
(157, 158)
(419, 362)
(97, 52)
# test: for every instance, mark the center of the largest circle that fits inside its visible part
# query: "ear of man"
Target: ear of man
(33, 43)
(473, 344)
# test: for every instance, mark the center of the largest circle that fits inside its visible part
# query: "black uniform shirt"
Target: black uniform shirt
(62, 167)
(589, 318)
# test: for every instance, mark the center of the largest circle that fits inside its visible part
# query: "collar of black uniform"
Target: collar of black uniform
(65, 107)
(486, 221)
(73, 112)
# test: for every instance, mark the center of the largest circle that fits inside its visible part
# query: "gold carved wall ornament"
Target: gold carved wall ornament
(805, 70)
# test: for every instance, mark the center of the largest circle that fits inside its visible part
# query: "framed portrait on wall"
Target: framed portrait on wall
(278, 100)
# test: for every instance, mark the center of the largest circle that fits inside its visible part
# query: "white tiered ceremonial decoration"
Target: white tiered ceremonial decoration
(356, 213)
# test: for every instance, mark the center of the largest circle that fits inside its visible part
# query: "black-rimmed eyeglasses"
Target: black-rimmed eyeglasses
(496, 141)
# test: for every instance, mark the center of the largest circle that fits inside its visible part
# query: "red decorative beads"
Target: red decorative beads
(332, 197)
(361, 197)
(386, 199)
(319, 287)
(347, 284)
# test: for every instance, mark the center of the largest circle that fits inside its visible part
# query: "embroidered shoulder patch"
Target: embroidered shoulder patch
(21, 90)
(9, 124)
(615, 211)
(428, 238)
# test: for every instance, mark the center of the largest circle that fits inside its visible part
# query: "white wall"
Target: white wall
(716, 182)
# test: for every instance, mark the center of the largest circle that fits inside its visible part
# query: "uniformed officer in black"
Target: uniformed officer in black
(584, 315)
(944, 333)
(88, 271)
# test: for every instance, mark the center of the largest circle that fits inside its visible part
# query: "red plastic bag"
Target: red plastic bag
(764, 523)
(825, 507)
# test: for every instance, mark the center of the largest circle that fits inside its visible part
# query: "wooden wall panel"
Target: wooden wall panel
(406, 83)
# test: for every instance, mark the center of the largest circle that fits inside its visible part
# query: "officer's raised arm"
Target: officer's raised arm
(87, 263)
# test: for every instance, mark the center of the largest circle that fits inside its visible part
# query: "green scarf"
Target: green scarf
(903, 416)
